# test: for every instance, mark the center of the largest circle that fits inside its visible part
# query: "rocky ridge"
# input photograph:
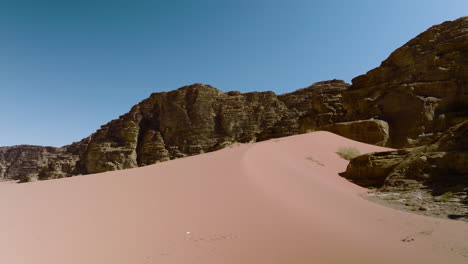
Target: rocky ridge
(421, 89)
(419, 92)
(188, 121)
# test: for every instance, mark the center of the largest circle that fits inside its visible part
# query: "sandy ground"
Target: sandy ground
(279, 201)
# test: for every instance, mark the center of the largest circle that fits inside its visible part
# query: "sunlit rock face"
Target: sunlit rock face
(188, 121)
(416, 94)
(420, 90)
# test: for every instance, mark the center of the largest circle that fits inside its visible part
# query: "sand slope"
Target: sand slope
(253, 203)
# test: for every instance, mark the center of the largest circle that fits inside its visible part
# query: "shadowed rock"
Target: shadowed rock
(441, 166)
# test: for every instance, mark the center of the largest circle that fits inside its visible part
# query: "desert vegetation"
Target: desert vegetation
(348, 153)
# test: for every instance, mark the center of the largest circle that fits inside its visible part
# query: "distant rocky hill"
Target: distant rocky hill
(416, 94)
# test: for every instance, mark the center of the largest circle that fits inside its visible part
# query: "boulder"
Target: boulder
(371, 131)
(371, 170)
(440, 166)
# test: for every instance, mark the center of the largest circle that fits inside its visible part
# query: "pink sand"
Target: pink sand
(253, 203)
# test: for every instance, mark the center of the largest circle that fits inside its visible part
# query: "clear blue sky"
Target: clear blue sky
(67, 67)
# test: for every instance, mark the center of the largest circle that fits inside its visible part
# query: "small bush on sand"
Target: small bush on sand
(30, 178)
(348, 153)
(446, 197)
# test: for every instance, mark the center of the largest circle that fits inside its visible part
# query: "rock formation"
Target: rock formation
(371, 131)
(420, 90)
(27, 163)
(415, 95)
(428, 176)
(441, 166)
(191, 120)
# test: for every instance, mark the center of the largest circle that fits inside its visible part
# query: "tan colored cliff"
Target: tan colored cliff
(421, 89)
(188, 121)
(416, 94)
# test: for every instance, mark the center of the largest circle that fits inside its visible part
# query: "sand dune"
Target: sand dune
(253, 203)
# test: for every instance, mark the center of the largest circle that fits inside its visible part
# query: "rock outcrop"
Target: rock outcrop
(441, 166)
(28, 163)
(431, 180)
(191, 120)
(411, 99)
(371, 131)
(420, 90)
(199, 118)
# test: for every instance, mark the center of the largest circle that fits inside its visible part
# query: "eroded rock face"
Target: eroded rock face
(410, 100)
(318, 105)
(420, 90)
(191, 120)
(441, 166)
(371, 170)
(371, 131)
(27, 163)
(197, 119)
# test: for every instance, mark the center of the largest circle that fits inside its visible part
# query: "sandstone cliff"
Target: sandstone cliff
(191, 120)
(416, 94)
(420, 90)
(432, 179)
